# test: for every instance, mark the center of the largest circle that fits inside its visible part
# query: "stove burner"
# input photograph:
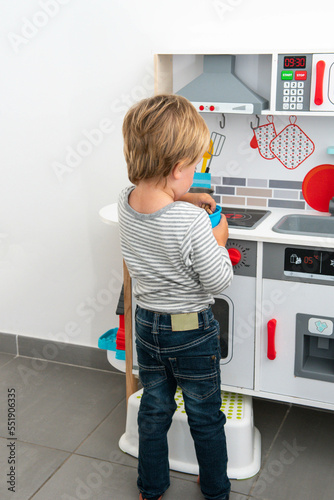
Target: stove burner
(246, 218)
(237, 216)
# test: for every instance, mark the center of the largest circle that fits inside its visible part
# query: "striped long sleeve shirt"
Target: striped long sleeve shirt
(177, 263)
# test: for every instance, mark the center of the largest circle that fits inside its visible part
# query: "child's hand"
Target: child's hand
(220, 232)
(202, 200)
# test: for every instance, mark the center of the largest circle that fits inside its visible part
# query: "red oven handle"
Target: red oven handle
(271, 351)
(319, 83)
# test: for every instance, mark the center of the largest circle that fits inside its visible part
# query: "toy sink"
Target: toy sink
(312, 225)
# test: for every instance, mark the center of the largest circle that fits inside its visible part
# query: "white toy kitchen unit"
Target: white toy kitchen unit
(273, 175)
(270, 167)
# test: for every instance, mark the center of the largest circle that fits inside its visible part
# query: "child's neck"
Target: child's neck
(149, 196)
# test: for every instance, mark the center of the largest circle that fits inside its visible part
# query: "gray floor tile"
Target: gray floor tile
(300, 465)
(103, 442)
(59, 405)
(83, 477)
(33, 466)
(267, 418)
(62, 408)
(5, 358)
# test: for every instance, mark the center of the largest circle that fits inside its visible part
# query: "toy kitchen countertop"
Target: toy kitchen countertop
(295, 233)
(263, 228)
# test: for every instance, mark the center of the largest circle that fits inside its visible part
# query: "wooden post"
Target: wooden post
(131, 381)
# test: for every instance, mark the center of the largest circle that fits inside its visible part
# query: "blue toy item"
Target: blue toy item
(108, 341)
(216, 216)
(201, 180)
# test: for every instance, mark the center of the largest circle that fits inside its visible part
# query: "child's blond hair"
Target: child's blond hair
(160, 132)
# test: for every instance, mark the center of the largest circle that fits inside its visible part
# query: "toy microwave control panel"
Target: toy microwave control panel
(293, 82)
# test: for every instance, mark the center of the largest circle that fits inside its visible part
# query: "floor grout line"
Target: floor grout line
(51, 475)
(72, 453)
(98, 425)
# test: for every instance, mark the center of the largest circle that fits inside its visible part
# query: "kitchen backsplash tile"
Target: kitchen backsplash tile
(256, 202)
(288, 194)
(234, 181)
(285, 184)
(225, 190)
(257, 183)
(258, 192)
(262, 193)
(232, 200)
(286, 204)
(216, 180)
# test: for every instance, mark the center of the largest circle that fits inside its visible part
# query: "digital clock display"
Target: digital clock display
(294, 62)
(308, 261)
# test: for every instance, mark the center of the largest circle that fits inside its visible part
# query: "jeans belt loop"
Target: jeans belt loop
(206, 318)
(155, 328)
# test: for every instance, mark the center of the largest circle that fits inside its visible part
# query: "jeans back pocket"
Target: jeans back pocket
(197, 376)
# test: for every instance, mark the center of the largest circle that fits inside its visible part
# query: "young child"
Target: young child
(179, 262)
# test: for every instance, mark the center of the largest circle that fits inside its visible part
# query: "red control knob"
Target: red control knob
(235, 255)
(212, 108)
(201, 107)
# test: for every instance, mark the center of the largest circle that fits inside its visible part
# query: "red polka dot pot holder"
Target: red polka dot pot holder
(291, 146)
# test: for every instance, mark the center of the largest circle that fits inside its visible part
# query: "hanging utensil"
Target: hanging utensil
(206, 157)
(216, 148)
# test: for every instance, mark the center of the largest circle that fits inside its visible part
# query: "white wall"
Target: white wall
(70, 69)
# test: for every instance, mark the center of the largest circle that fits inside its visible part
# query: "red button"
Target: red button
(212, 108)
(300, 75)
(235, 255)
(201, 107)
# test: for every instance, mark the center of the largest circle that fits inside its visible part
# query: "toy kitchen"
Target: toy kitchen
(270, 165)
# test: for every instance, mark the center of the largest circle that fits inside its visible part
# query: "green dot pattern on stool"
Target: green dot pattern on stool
(232, 404)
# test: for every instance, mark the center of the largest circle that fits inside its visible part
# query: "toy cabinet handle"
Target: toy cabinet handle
(271, 328)
(319, 83)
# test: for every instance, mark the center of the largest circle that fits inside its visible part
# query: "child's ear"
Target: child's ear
(177, 170)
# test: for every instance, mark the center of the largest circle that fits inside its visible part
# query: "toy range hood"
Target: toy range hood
(219, 90)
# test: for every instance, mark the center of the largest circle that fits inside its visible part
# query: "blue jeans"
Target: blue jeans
(188, 359)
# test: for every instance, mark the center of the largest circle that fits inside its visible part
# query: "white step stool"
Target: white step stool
(243, 439)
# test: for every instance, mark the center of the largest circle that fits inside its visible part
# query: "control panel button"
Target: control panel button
(320, 326)
(201, 108)
(300, 75)
(212, 108)
(287, 75)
